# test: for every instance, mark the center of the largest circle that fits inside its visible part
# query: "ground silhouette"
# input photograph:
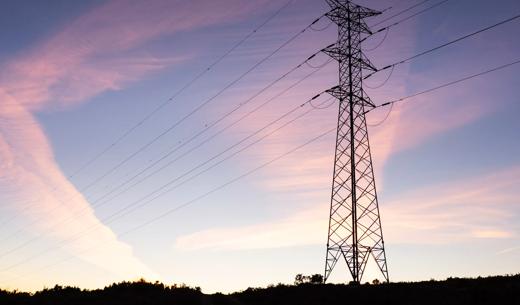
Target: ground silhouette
(489, 290)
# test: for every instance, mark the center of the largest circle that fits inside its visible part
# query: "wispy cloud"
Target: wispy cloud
(481, 207)
(101, 50)
(301, 229)
(409, 125)
(509, 250)
(428, 215)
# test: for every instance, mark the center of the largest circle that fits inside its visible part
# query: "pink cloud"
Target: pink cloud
(312, 168)
(30, 171)
(409, 125)
(509, 250)
(438, 214)
(102, 50)
(301, 229)
(480, 207)
(492, 234)
(99, 51)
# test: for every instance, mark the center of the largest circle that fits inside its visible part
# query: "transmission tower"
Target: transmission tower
(354, 224)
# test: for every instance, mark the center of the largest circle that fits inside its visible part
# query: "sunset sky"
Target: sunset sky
(80, 141)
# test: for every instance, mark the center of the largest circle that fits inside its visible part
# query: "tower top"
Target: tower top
(343, 11)
(351, 6)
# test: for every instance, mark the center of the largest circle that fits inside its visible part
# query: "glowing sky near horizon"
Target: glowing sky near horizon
(75, 76)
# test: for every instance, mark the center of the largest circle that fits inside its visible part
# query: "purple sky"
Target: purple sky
(76, 76)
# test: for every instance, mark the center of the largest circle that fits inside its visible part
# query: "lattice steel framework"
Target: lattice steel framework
(354, 225)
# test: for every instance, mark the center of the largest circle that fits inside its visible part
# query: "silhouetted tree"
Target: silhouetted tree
(299, 279)
(308, 279)
(453, 291)
(316, 279)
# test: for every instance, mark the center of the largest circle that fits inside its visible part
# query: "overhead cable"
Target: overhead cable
(447, 84)
(445, 45)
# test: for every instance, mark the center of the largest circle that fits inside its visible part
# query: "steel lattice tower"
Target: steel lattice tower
(354, 225)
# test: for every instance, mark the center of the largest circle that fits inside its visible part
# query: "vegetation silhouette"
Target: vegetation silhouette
(489, 290)
(310, 279)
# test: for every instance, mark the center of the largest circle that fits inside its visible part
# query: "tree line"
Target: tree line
(306, 290)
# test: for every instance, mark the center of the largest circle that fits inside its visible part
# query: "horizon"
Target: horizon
(82, 185)
(267, 287)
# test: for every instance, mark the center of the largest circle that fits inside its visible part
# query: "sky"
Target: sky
(133, 143)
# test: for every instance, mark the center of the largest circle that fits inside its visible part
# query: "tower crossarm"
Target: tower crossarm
(342, 95)
(339, 54)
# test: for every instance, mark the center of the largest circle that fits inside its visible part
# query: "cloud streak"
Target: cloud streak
(435, 215)
(307, 175)
(101, 50)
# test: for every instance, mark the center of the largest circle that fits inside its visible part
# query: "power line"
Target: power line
(286, 114)
(310, 101)
(323, 28)
(381, 42)
(168, 101)
(169, 183)
(186, 86)
(444, 45)
(318, 66)
(388, 27)
(206, 102)
(97, 202)
(135, 207)
(384, 118)
(196, 109)
(448, 84)
(224, 185)
(400, 13)
(384, 82)
(414, 15)
(209, 138)
(216, 62)
(198, 198)
(391, 103)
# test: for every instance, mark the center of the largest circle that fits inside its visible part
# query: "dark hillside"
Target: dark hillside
(490, 290)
